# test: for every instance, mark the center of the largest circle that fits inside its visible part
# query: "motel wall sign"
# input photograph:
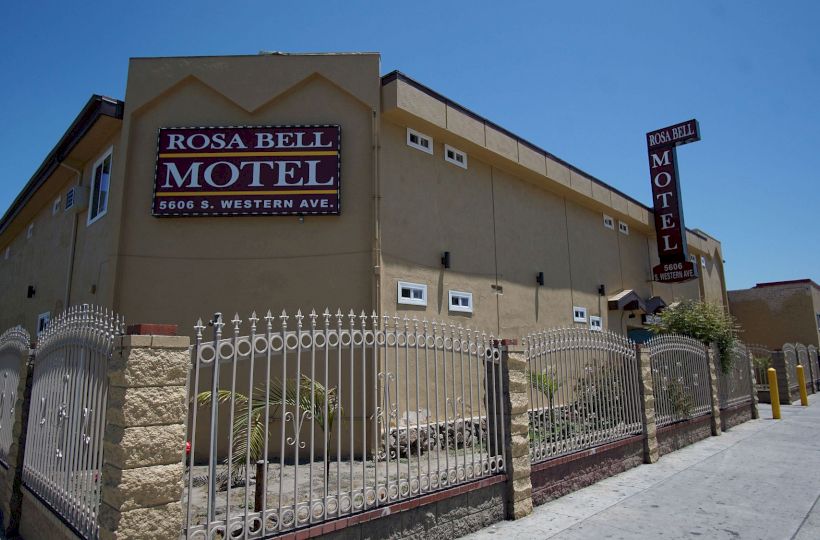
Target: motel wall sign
(233, 171)
(675, 265)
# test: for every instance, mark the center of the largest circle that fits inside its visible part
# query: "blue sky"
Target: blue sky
(584, 80)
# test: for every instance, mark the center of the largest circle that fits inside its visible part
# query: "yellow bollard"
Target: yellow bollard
(801, 380)
(774, 395)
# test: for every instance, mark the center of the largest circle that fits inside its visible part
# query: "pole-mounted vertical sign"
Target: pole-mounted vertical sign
(675, 265)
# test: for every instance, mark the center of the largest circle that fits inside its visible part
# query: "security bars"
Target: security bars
(322, 416)
(64, 450)
(680, 376)
(815, 366)
(583, 390)
(803, 360)
(762, 361)
(790, 358)
(735, 387)
(14, 344)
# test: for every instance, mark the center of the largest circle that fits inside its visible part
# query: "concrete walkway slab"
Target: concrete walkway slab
(759, 480)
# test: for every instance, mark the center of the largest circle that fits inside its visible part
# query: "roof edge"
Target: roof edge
(787, 282)
(398, 75)
(95, 107)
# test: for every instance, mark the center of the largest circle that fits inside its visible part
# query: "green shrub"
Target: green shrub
(762, 362)
(706, 322)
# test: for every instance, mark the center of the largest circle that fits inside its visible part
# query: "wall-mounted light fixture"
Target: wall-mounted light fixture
(539, 278)
(31, 291)
(445, 259)
(601, 290)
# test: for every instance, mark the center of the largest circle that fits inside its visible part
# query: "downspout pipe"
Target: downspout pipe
(73, 245)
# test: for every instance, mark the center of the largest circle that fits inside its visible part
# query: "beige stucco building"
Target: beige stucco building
(420, 176)
(779, 312)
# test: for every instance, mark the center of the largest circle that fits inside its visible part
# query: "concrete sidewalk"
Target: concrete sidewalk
(761, 479)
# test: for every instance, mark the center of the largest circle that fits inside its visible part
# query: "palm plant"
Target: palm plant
(249, 417)
(547, 385)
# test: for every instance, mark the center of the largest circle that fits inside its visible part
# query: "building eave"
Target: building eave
(397, 75)
(94, 108)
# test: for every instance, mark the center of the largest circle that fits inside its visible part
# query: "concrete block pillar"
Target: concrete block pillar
(651, 451)
(515, 401)
(752, 390)
(784, 381)
(144, 441)
(11, 479)
(713, 360)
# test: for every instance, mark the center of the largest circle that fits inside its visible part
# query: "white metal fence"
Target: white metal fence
(735, 387)
(14, 345)
(680, 376)
(584, 390)
(323, 416)
(762, 361)
(63, 457)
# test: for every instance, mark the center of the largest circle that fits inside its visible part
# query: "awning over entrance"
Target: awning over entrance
(655, 305)
(627, 300)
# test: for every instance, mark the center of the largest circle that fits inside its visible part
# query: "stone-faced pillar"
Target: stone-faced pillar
(515, 402)
(713, 360)
(144, 441)
(651, 451)
(752, 389)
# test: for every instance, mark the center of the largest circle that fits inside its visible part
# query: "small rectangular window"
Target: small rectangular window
(455, 156)
(623, 227)
(7, 252)
(579, 314)
(461, 301)
(609, 222)
(693, 259)
(596, 324)
(42, 321)
(30, 230)
(419, 141)
(56, 206)
(703, 261)
(100, 184)
(414, 294)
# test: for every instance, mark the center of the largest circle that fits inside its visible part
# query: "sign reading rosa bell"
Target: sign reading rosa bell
(675, 265)
(234, 171)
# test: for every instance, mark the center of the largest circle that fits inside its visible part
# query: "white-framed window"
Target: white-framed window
(414, 294)
(455, 156)
(30, 230)
(579, 314)
(703, 261)
(460, 301)
(56, 206)
(42, 321)
(596, 324)
(623, 227)
(693, 259)
(419, 141)
(100, 184)
(609, 222)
